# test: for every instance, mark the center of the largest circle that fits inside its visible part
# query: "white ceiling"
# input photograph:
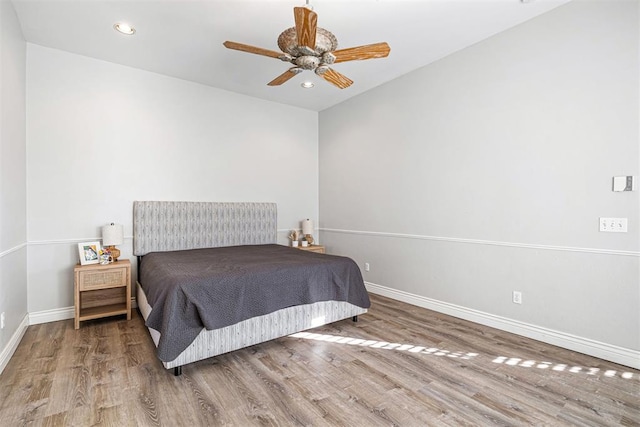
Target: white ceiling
(184, 39)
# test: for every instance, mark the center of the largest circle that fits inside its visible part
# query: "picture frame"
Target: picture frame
(89, 252)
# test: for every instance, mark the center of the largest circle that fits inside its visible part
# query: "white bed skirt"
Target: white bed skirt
(255, 330)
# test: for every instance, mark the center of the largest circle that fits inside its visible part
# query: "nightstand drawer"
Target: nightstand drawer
(103, 279)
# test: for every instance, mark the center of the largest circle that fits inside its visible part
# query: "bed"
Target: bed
(211, 279)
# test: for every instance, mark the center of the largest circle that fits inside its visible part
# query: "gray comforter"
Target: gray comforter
(217, 287)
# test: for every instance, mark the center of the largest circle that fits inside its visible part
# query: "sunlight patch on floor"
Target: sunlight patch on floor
(560, 367)
(504, 360)
(384, 345)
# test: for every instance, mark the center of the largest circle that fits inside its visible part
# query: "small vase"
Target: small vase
(294, 243)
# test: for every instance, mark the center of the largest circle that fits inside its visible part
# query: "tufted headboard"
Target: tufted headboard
(172, 226)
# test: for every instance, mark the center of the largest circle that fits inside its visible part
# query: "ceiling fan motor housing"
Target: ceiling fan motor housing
(307, 62)
(325, 42)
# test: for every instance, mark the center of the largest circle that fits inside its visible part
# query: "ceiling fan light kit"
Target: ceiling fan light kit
(309, 47)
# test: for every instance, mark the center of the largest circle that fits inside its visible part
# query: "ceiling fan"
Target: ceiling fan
(309, 47)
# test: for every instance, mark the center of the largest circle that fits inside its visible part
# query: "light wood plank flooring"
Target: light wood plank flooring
(399, 365)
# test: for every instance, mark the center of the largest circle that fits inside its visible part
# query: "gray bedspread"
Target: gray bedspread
(217, 287)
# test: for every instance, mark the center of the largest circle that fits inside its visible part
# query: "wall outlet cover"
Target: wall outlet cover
(517, 297)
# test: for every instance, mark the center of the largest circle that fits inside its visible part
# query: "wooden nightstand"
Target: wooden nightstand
(313, 248)
(102, 290)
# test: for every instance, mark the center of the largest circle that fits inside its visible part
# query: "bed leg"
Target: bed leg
(354, 318)
(177, 371)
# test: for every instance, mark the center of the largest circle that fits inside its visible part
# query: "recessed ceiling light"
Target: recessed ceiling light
(307, 85)
(124, 28)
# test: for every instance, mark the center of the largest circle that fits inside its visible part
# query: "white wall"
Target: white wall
(487, 171)
(102, 135)
(13, 193)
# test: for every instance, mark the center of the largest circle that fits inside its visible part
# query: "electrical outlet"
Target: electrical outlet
(517, 297)
(2, 320)
(366, 266)
(613, 225)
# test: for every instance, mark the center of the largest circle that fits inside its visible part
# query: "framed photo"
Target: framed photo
(89, 252)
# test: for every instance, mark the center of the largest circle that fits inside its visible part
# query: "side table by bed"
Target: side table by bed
(313, 248)
(102, 290)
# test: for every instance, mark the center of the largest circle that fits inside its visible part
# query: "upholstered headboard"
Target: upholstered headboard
(172, 226)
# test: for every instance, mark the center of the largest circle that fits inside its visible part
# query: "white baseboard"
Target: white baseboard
(46, 316)
(612, 353)
(11, 346)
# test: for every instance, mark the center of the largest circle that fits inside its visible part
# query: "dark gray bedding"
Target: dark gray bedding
(217, 287)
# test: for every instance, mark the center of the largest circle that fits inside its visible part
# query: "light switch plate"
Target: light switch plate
(624, 183)
(631, 184)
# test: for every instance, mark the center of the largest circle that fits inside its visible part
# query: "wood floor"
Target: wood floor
(399, 365)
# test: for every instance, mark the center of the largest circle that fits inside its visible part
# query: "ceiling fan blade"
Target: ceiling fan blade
(334, 77)
(284, 77)
(252, 49)
(306, 26)
(370, 51)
